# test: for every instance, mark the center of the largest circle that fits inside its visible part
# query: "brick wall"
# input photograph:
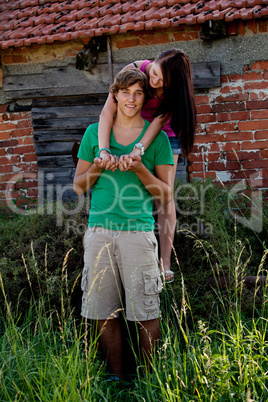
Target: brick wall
(18, 162)
(232, 133)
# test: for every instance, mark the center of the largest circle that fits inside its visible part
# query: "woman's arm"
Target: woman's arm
(154, 128)
(86, 175)
(106, 123)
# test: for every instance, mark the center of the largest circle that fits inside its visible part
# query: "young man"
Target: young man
(120, 258)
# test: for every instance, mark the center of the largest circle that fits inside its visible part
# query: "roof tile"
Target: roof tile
(24, 22)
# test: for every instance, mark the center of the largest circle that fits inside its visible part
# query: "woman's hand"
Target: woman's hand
(131, 162)
(108, 161)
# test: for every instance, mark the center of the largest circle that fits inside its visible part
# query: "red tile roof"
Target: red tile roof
(24, 22)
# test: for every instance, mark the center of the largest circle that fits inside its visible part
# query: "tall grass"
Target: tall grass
(214, 344)
(51, 356)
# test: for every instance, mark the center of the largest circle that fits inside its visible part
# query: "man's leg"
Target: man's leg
(111, 341)
(149, 334)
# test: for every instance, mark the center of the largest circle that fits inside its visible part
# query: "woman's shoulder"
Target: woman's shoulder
(142, 64)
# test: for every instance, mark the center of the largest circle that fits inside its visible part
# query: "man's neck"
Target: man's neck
(127, 130)
(125, 122)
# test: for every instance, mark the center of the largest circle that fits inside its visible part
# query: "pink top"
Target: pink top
(151, 106)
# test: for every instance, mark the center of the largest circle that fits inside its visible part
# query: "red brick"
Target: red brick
(251, 164)
(185, 36)
(154, 39)
(254, 145)
(243, 155)
(7, 126)
(264, 153)
(260, 114)
(262, 26)
(3, 108)
(260, 65)
(233, 116)
(206, 118)
(20, 116)
(231, 88)
(253, 125)
(261, 135)
(224, 166)
(256, 96)
(204, 175)
(228, 107)
(24, 123)
(196, 167)
(4, 135)
(203, 139)
(252, 76)
(234, 77)
(201, 99)
(195, 157)
(27, 149)
(218, 127)
(238, 175)
(30, 158)
(249, 86)
(6, 169)
(252, 25)
(26, 141)
(230, 146)
(127, 43)
(237, 136)
(8, 143)
(258, 104)
(241, 28)
(9, 161)
(6, 59)
(232, 29)
(232, 98)
(203, 109)
(213, 156)
(22, 132)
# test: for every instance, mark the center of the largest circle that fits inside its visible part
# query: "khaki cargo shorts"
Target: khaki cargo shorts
(120, 272)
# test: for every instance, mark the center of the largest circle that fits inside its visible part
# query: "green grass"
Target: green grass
(214, 344)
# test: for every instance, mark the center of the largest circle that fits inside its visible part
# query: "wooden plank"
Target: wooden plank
(64, 135)
(96, 99)
(55, 112)
(61, 81)
(54, 148)
(68, 81)
(64, 124)
(55, 161)
(206, 75)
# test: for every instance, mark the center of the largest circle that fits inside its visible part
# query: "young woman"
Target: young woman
(171, 108)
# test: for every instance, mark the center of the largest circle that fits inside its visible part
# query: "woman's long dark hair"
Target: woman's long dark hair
(178, 97)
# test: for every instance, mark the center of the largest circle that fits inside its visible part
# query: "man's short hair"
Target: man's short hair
(127, 78)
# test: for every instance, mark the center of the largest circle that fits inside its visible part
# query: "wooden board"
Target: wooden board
(68, 81)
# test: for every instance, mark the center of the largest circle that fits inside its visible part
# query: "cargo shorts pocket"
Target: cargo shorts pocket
(152, 282)
(84, 281)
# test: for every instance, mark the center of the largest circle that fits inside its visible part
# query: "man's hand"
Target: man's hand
(108, 161)
(131, 162)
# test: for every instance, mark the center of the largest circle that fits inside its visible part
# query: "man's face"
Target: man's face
(130, 100)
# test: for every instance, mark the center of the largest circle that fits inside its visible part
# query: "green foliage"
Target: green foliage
(214, 343)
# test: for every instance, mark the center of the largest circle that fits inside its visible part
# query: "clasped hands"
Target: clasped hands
(125, 163)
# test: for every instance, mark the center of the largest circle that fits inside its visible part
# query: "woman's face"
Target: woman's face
(156, 76)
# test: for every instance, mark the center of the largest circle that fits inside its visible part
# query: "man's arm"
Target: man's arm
(86, 175)
(159, 186)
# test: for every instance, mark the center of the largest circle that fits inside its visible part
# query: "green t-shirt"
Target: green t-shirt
(119, 200)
